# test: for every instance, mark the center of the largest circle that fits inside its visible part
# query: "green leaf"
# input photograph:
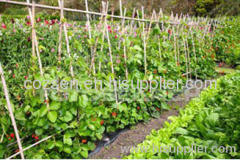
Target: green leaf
(92, 127)
(51, 144)
(83, 100)
(19, 115)
(99, 136)
(67, 149)
(54, 105)
(59, 144)
(26, 108)
(68, 117)
(43, 111)
(67, 140)
(137, 47)
(39, 132)
(34, 101)
(52, 116)
(73, 96)
(84, 153)
(181, 131)
(213, 118)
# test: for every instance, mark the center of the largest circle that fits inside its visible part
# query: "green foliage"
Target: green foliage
(226, 42)
(213, 8)
(211, 120)
(79, 118)
(205, 6)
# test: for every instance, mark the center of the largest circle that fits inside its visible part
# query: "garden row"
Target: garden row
(226, 43)
(75, 119)
(210, 122)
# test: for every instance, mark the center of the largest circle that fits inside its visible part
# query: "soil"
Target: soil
(138, 133)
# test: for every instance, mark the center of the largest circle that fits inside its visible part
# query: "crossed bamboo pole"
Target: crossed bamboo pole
(11, 111)
(82, 11)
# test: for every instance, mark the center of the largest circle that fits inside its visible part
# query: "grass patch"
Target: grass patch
(225, 70)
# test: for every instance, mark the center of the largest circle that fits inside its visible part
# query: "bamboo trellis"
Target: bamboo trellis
(145, 35)
(87, 12)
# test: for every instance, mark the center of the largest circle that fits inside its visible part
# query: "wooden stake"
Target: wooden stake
(132, 21)
(38, 55)
(88, 22)
(10, 111)
(64, 25)
(185, 50)
(33, 39)
(103, 31)
(89, 30)
(60, 34)
(120, 6)
(175, 45)
(110, 54)
(95, 47)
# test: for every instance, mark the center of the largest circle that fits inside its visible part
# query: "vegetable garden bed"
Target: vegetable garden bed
(58, 123)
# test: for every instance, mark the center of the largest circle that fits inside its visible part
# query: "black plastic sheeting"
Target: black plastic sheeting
(107, 139)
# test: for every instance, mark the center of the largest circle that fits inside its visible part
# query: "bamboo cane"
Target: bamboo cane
(38, 55)
(186, 57)
(95, 48)
(60, 34)
(77, 10)
(33, 40)
(61, 4)
(132, 21)
(103, 32)
(110, 54)
(144, 43)
(11, 111)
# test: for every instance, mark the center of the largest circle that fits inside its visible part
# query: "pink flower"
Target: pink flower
(109, 27)
(28, 23)
(28, 17)
(14, 30)
(46, 22)
(52, 22)
(52, 50)
(39, 19)
(118, 61)
(4, 26)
